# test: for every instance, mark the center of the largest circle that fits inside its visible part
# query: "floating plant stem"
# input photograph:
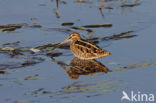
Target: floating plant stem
(57, 13)
(67, 23)
(97, 25)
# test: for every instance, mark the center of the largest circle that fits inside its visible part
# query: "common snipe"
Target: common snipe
(84, 49)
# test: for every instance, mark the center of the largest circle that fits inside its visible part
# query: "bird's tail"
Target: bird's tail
(105, 53)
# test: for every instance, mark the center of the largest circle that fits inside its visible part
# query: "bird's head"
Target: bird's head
(73, 36)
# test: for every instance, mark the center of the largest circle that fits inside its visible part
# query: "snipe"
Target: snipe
(84, 49)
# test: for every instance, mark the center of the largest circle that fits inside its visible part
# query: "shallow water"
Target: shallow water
(132, 63)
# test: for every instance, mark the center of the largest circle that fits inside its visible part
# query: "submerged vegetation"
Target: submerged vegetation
(11, 27)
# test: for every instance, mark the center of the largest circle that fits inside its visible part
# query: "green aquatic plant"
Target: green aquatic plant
(137, 65)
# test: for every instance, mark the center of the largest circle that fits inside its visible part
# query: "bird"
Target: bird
(84, 49)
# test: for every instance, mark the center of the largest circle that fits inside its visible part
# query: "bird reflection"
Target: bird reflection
(84, 67)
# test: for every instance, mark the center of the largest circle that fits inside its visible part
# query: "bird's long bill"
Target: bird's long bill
(58, 45)
(64, 41)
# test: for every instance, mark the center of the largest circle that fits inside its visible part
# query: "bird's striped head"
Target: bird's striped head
(74, 36)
